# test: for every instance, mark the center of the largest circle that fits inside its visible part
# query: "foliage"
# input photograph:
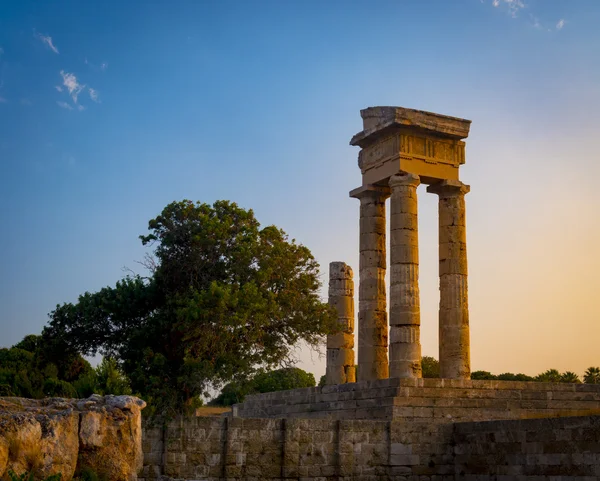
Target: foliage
(482, 375)
(88, 474)
(551, 375)
(592, 375)
(430, 367)
(283, 379)
(509, 376)
(40, 373)
(34, 369)
(570, 376)
(264, 381)
(30, 476)
(225, 298)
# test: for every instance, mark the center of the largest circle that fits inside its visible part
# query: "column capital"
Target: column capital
(449, 188)
(370, 191)
(404, 179)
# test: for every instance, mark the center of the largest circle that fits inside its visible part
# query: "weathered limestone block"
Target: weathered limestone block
(405, 315)
(454, 305)
(110, 436)
(54, 435)
(38, 436)
(372, 304)
(340, 346)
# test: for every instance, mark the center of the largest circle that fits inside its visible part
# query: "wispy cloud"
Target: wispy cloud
(72, 85)
(47, 40)
(514, 6)
(3, 100)
(58, 87)
(560, 24)
(1, 50)
(94, 95)
(103, 66)
(64, 105)
(80, 107)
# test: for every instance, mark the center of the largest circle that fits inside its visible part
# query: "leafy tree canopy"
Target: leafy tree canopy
(592, 375)
(265, 381)
(34, 369)
(430, 367)
(225, 298)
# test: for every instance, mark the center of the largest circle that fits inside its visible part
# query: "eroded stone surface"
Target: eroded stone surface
(405, 314)
(372, 303)
(56, 435)
(340, 347)
(454, 301)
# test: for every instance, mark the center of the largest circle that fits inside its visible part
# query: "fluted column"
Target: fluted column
(372, 309)
(340, 346)
(454, 306)
(405, 314)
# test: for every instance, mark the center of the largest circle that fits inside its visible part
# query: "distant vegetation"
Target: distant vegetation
(431, 369)
(35, 369)
(267, 381)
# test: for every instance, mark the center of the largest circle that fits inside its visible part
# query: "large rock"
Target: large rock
(64, 436)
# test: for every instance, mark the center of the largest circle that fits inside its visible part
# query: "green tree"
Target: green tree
(34, 369)
(283, 379)
(265, 381)
(569, 376)
(430, 367)
(225, 297)
(483, 375)
(592, 375)
(509, 376)
(551, 375)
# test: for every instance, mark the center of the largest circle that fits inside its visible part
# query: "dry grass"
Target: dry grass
(211, 411)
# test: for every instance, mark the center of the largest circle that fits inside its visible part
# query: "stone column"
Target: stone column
(405, 314)
(340, 346)
(372, 308)
(454, 306)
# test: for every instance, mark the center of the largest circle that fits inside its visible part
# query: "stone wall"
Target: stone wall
(437, 400)
(214, 449)
(533, 449)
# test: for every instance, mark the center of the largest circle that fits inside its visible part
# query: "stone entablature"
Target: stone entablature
(422, 143)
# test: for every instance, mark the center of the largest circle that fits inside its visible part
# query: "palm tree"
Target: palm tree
(569, 376)
(592, 375)
(551, 375)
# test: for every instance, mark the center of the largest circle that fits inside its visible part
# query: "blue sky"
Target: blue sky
(111, 110)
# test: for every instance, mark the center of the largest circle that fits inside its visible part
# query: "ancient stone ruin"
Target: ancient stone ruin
(401, 148)
(392, 424)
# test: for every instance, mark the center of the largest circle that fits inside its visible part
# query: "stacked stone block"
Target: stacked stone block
(340, 346)
(372, 302)
(405, 314)
(562, 449)
(437, 400)
(454, 304)
(565, 449)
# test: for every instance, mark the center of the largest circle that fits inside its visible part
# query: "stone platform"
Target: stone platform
(427, 400)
